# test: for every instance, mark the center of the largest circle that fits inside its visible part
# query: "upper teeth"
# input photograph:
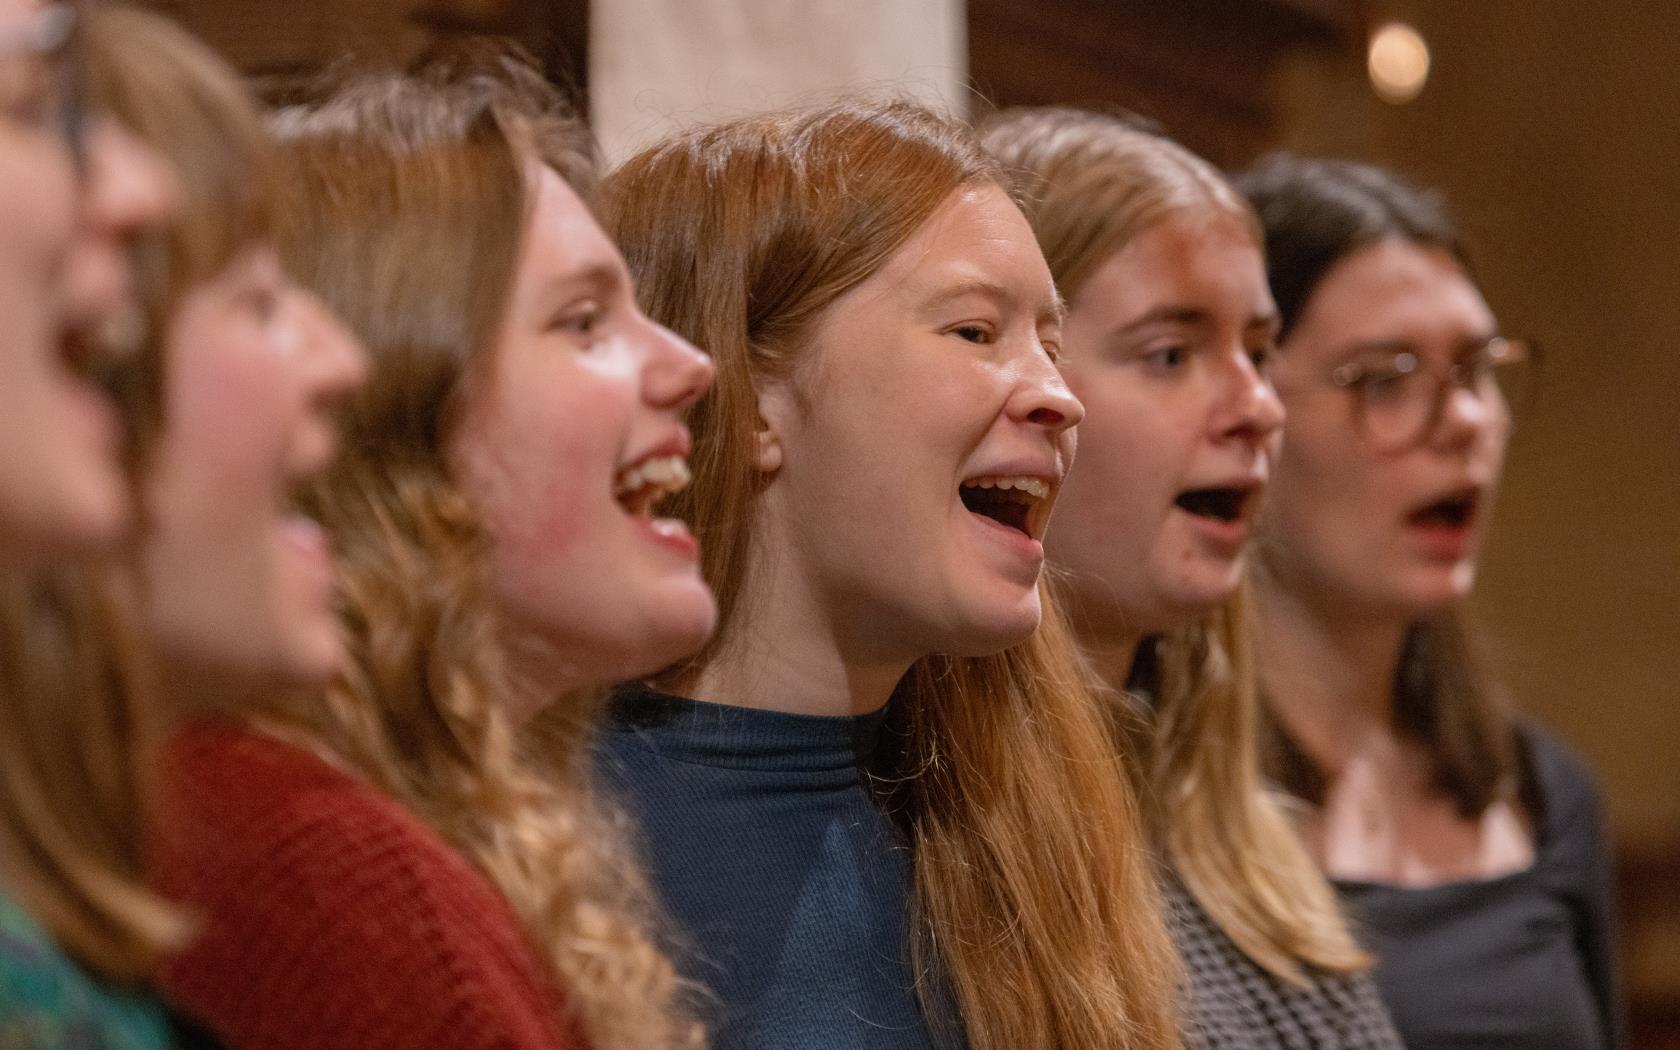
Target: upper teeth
(668, 473)
(1037, 488)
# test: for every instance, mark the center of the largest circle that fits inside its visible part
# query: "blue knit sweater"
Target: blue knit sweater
(788, 886)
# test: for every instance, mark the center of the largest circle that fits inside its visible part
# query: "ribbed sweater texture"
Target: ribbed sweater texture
(332, 918)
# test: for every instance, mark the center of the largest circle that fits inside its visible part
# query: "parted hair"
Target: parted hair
(79, 723)
(1316, 213)
(408, 198)
(1091, 184)
(1034, 903)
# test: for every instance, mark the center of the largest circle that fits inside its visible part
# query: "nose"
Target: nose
(1466, 415)
(1251, 410)
(128, 187)
(676, 373)
(1042, 398)
(337, 361)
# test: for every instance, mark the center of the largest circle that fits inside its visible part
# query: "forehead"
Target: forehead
(1185, 255)
(976, 234)
(1394, 291)
(564, 237)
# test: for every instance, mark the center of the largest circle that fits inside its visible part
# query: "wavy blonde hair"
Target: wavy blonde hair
(408, 203)
(1034, 894)
(1091, 184)
(81, 722)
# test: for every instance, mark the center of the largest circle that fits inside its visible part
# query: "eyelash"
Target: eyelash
(984, 332)
(581, 321)
(1157, 358)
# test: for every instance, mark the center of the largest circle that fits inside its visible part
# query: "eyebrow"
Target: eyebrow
(1056, 311)
(596, 274)
(1191, 316)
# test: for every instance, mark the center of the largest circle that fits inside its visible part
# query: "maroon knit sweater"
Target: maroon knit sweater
(331, 917)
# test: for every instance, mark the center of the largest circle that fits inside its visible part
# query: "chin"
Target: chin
(992, 628)
(313, 655)
(1437, 589)
(94, 519)
(679, 622)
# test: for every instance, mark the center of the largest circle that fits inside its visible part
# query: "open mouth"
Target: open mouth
(640, 487)
(1454, 512)
(1219, 504)
(1016, 503)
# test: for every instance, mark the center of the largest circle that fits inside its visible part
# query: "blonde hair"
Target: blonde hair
(1034, 895)
(77, 751)
(408, 203)
(1093, 183)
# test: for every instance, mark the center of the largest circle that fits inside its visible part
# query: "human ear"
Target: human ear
(774, 407)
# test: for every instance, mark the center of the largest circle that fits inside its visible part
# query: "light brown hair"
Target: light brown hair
(408, 202)
(80, 723)
(1091, 184)
(1034, 899)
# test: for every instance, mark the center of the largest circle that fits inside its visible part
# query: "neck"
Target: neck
(1329, 676)
(807, 675)
(537, 677)
(790, 650)
(1110, 654)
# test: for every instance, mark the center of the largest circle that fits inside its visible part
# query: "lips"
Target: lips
(1016, 496)
(1454, 511)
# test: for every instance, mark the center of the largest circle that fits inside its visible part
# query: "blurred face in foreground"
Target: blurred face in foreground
(65, 290)
(237, 582)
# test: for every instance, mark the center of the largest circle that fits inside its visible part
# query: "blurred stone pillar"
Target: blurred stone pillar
(656, 65)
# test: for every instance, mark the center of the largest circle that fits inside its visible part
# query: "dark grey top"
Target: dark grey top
(1523, 962)
(1236, 1005)
(788, 885)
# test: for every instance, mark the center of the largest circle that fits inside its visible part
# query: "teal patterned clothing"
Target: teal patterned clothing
(47, 1002)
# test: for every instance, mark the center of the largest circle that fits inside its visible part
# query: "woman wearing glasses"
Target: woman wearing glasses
(73, 193)
(1468, 845)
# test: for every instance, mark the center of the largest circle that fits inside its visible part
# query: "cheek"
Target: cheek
(543, 478)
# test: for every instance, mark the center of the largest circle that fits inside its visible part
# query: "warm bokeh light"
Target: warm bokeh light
(1398, 61)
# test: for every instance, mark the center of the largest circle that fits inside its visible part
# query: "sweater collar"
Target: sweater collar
(714, 734)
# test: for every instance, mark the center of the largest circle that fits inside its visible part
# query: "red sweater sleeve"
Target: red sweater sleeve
(331, 918)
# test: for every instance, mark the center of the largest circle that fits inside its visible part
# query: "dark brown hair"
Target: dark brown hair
(1316, 213)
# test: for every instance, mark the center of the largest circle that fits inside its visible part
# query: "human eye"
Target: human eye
(1165, 360)
(581, 319)
(1383, 384)
(977, 332)
(32, 101)
(1263, 355)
